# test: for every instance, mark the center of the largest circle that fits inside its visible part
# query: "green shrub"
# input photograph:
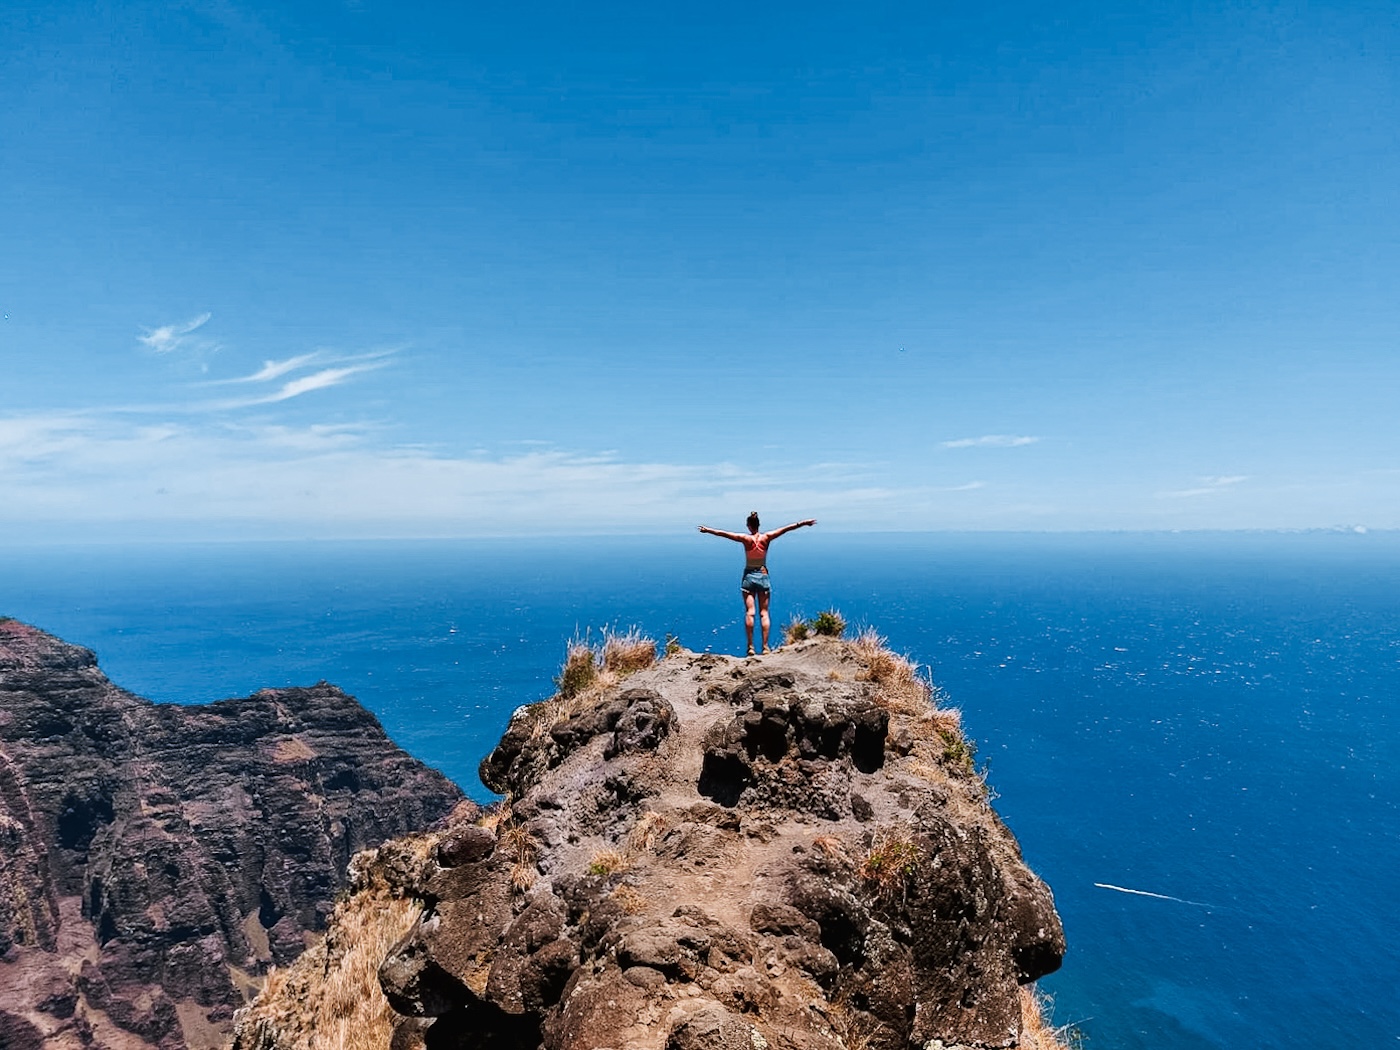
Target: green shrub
(958, 751)
(829, 623)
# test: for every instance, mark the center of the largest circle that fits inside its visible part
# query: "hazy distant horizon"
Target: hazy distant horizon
(18, 542)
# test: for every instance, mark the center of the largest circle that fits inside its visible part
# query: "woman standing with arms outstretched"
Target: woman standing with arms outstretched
(755, 586)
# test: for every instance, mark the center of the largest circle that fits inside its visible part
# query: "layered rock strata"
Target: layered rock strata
(155, 859)
(781, 852)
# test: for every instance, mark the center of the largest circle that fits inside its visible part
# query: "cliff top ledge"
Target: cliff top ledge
(703, 853)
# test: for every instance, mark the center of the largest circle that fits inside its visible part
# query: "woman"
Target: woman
(755, 585)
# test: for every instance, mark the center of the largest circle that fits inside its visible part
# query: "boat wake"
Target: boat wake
(1146, 893)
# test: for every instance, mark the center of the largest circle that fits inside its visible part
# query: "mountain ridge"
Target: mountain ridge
(157, 858)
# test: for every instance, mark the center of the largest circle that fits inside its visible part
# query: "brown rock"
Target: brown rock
(166, 844)
(726, 855)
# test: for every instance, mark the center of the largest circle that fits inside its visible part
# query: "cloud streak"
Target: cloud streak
(272, 370)
(1210, 485)
(327, 377)
(172, 337)
(992, 441)
(339, 369)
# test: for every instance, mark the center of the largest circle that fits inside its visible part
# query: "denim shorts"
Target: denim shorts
(754, 581)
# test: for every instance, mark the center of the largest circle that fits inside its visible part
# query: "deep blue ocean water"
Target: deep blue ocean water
(1210, 718)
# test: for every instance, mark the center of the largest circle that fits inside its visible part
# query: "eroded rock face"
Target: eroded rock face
(155, 858)
(726, 854)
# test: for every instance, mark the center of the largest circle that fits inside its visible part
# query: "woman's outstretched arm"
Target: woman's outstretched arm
(720, 532)
(788, 528)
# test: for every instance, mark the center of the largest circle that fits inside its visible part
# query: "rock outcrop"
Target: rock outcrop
(154, 858)
(792, 851)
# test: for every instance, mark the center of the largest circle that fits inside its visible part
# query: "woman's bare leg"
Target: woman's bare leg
(748, 617)
(763, 597)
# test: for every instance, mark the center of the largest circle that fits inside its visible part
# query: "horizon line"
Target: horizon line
(1357, 531)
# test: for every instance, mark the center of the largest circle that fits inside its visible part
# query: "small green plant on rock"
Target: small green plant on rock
(958, 751)
(829, 623)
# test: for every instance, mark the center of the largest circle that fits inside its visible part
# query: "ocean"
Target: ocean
(1194, 736)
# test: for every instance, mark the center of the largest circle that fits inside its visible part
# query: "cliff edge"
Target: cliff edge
(156, 859)
(791, 851)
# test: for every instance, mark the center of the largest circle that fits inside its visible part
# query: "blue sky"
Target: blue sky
(395, 270)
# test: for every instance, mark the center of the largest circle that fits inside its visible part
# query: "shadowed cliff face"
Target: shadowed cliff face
(154, 858)
(723, 854)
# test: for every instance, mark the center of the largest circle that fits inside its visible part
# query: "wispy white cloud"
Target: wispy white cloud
(272, 369)
(171, 337)
(340, 367)
(992, 441)
(1210, 485)
(326, 377)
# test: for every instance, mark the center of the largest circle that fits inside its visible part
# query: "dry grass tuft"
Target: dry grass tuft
(854, 1028)
(944, 720)
(890, 863)
(608, 862)
(1037, 1032)
(330, 999)
(580, 669)
(520, 847)
(939, 743)
(625, 654)
(631, 899)
(830, 845)
(494, 816)
(925, 769)
(796, 630)
(902, 690)
(650, 827)
(589, 671)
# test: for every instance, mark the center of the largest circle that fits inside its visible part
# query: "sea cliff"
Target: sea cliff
(156, 859)
(696, 853)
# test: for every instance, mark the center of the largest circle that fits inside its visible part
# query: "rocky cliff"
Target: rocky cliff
(791, 851)
(155, 859)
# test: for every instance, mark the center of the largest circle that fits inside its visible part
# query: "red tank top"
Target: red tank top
(756, 550)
